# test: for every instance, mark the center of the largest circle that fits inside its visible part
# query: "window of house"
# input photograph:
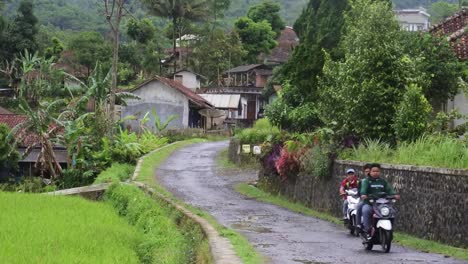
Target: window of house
(420, 28)
(179, 78)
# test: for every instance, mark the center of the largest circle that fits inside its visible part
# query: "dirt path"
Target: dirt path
(282, 236)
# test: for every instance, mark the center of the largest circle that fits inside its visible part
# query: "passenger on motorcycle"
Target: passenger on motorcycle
(361, 203)
(371, 187)
(350, 182)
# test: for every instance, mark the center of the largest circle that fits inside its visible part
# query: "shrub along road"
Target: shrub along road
(191, 174)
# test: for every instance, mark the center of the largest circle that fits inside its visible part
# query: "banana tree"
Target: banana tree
(42, 126)
(159, 125)
(97, 92)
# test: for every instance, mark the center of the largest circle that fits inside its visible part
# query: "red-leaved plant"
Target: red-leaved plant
(288, 164)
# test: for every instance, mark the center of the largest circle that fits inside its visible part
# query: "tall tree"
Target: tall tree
(141, 31)
(217, 53)
(88, 48)
(217, 8)
(360, 94)
(319, 29)
(177, 11)
(21, 32)
(268, 11)
(256, 37)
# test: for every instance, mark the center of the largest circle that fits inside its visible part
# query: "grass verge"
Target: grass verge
(400, 238)
(169, 237)
(242, 247)
(222, 160)
(57, 229)
(115, 173)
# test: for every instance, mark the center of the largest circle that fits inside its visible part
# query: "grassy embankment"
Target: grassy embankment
(168, 236)
(116, 173)
(444, 152)
(56, 229)
(241, 246)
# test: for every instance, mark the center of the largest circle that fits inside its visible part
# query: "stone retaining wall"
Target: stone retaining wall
(434, 202)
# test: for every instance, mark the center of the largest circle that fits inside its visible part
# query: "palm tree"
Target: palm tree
(177, 11)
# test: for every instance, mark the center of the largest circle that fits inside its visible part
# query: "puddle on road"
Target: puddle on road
(248, 227)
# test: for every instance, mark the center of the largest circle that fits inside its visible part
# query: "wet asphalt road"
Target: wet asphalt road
(191, 174)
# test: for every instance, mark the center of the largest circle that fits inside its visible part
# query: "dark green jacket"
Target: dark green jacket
(371, 186)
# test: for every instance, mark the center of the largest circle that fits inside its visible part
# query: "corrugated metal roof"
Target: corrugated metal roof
(244, 68)
(223, 101)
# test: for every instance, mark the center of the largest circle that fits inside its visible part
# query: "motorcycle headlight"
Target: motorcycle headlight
(384, 211)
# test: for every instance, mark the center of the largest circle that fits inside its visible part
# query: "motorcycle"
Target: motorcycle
(353, 201)
(382, 222)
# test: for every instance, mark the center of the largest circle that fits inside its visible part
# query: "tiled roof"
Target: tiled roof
(193, 97)
(287, 41)
(455, 28)
(4, 111)
(12, 120)
(28, 138)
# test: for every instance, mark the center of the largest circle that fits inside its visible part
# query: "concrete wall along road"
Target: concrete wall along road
(166, 100)
(433, 205)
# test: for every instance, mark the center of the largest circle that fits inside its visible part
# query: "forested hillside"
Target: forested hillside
(85, 15)
(416, 3)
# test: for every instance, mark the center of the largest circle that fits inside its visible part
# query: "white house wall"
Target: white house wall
(166, 100)
(189, 80)
(460, 102)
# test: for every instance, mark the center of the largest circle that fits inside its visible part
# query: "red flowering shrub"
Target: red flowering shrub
(288, 164)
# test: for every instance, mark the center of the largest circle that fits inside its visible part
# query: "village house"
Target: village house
(189, 79)
(27, 163)
(168, 97)
(247, 81)
(413, 19)
(455, 28)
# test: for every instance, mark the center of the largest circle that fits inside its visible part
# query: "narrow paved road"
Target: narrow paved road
(280, 235)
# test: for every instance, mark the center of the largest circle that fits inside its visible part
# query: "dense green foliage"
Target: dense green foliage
(117, 172)
(89, 48)
(256, 37)
(319, 28)
(169, 237)
(412, 116)
(268, 11)
(56, 229)
(20, 33)
(360, 95)
(9, 156)
(441, 10)
(262, 131)
(438, 66)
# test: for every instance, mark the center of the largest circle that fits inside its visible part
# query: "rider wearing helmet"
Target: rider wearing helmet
(350, 182)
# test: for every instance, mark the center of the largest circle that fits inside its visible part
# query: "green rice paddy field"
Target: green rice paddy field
(55, 229)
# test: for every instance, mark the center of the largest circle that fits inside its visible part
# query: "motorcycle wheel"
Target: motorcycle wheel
(368, 246)
(356, 231)
(386, 240)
